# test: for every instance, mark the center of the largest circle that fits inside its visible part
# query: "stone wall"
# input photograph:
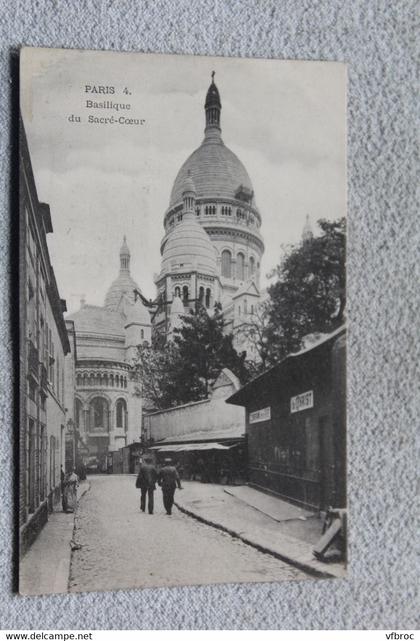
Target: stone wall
(211, 415)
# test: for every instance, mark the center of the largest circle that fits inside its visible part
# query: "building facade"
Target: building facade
(107, 403)
(212, 193)
(296, 425)
(44, 346)
(206, 438)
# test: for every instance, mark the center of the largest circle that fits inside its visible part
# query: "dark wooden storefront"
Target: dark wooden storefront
(295, 425)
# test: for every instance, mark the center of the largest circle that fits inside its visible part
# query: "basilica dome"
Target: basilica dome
(189, 247)
(123, 285)
(212, 243)
(216, 171)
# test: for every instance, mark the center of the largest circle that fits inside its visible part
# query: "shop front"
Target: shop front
(209, 462)
(206, 439)
(295, 424)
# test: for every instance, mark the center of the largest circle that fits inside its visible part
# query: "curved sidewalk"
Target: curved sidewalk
(266, 522)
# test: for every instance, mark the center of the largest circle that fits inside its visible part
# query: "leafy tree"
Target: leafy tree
(203, 351)
(255, 332)
(155, 371)
(309, 294)
(183, 369)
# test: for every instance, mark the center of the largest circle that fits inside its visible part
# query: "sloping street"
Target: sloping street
(121, 547)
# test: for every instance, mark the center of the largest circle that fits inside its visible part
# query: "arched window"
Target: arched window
(177, 291)
(121, 413)
(98, 415)
(79, 380)
(245, 306)
(201, 295)
(226, 263)
(240, 266)
(78, 415)
(106, 380)
(111, 380)
(197, 211)
(252, 265)
(208, 297)
(185, 293)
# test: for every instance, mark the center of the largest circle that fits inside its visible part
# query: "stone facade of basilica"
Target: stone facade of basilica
(107, 407)
(211, 252)
(212, 246)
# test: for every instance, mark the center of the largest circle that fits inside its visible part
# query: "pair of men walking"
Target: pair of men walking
(167, 478)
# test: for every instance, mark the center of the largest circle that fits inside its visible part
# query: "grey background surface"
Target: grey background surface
(376, 38)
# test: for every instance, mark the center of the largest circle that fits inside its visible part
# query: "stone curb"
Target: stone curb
(308, 567)
(86, 487)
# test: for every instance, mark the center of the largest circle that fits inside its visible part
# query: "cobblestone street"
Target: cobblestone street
(123, 548)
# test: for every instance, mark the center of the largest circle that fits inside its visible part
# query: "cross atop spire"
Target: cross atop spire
(213, 108)
(124, 256)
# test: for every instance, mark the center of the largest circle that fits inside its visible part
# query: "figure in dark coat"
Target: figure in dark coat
(146, 481)
(63, 499)
(169, 480)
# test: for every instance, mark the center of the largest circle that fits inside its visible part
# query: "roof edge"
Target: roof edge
(233, 400)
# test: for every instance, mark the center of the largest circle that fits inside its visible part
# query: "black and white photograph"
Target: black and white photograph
(182, 320)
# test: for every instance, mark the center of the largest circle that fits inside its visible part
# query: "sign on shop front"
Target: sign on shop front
(260, 415)
(302, 402)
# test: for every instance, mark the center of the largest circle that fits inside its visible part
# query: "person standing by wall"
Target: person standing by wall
(146, 482)
(63, 498)
(169, 480)
(71, 482)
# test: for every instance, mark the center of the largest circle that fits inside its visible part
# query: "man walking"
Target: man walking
(168, 480)
(146, 481)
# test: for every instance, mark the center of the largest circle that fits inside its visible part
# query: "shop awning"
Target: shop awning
(235, 432)
(190, 447)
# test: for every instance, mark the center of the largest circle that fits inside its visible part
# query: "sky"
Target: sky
(285, 120)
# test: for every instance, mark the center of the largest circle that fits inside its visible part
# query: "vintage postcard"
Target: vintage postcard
(183, 320)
